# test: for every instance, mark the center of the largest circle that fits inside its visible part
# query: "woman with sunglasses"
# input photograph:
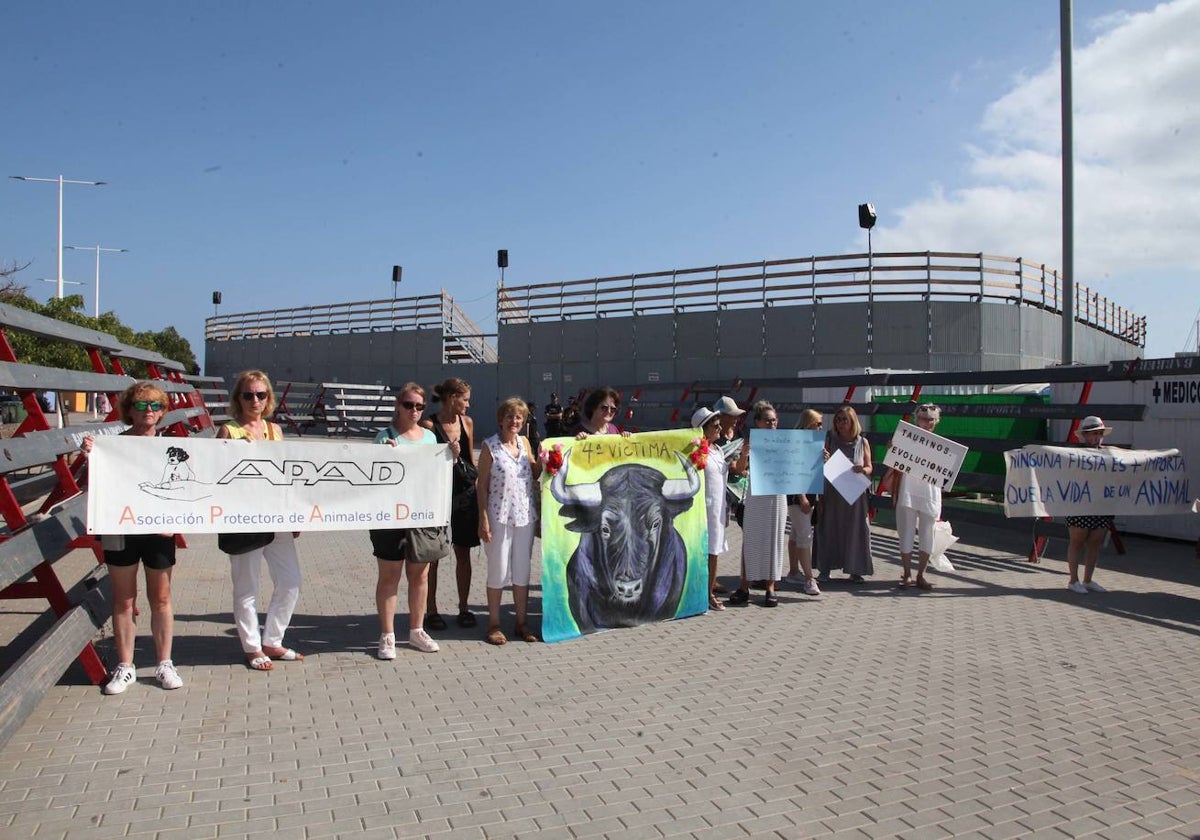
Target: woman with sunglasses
(800, 511)
(452, 426)
(764, 523)
(599, 410)
(389, 544)
(918, 506)
(253, 402)
(141, 406)
(844, 529)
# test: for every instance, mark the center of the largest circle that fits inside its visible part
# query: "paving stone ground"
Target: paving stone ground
(997, 706)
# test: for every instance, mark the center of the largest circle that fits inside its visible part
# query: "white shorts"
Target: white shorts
(801, 527)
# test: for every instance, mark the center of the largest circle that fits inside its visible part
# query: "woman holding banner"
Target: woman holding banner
(251, 402)
(800, 511)
(843, 529)
(1087, 532)
(451, 425)
(599, 409)
(391, 547)
(716, 473)
(508, 468)
(141, 406)
(918, 507)
(764, 524)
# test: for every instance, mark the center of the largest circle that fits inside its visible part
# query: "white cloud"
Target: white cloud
(1137, 171)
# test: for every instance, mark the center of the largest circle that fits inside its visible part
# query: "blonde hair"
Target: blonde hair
(855, 425)
(243, 379)
(143, 390)
(810, 417)
(512, 404)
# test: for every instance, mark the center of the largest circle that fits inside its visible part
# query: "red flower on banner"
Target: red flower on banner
(699, 453)
(552, 459)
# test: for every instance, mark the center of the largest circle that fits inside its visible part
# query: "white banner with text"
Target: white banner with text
(151, 485)
(931, 458)
(1074, 481)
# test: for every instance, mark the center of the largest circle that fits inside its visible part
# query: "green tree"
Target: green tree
(38, 351)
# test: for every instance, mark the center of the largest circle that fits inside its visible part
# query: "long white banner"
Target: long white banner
(1066, 481)
(143, 485)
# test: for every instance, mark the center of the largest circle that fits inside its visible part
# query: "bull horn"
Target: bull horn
(586, 495)
(680, 489)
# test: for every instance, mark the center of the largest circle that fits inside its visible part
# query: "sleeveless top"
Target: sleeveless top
(390, 433)
(464, 449)
(510, 487)
(238, 432)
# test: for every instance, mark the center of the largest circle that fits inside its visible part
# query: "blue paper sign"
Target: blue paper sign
(786, 461)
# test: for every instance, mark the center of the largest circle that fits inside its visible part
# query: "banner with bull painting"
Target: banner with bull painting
(624, 533)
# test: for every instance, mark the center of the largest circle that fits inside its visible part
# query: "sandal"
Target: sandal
(521, 631)
(770, 600)
(259, 662)
(285, 655)
(434, 621)
(714, 604)
(466, 618)
(495, 636)
(904, 580)
(740, 596)
(923, 584)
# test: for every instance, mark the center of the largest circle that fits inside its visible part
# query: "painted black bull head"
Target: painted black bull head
(630, 565)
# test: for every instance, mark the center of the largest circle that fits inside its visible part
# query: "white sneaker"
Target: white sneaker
(420, 640)
(811, 588)
(387, 646)
(167, 676)
(1092, 586)
(122, 678)
(1077, 587)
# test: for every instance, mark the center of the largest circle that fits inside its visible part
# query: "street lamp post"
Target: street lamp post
(97, 249)
(60, 180)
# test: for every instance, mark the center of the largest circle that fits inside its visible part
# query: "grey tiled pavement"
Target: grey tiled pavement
(997, 706)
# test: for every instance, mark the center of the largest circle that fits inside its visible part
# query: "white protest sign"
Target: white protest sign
(839, 470)
(151, 485)
(1066, 481)
(924, 455)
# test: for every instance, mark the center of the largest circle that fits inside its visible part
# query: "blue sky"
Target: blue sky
(288, 154)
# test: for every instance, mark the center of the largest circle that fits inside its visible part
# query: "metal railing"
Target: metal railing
(462, 339)
(917, 275)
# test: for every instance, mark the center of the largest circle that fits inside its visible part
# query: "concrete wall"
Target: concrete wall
(779, 341)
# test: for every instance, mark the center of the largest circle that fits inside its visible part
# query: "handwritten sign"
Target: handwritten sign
(839, 470)
(924, 455)
(786, 461)
(1065, 481)
(151, 485)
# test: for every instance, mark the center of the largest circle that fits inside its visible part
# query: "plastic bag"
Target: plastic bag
(943, 538)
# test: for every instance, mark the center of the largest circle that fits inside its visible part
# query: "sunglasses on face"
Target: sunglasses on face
(148, 405)
(254, 395)
(413, 406)
(609, 409)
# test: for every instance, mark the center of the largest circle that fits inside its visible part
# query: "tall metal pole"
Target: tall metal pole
(60, 180)
(1068, 187)
(97, 249)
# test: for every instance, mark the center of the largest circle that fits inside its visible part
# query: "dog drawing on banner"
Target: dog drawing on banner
(631, 562)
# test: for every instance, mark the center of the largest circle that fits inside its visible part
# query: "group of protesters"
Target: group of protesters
(494, 503)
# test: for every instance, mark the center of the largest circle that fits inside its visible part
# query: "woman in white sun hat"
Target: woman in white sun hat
(1087, 532)
(716, 473)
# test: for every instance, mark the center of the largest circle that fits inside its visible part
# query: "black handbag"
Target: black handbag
(241, 543)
